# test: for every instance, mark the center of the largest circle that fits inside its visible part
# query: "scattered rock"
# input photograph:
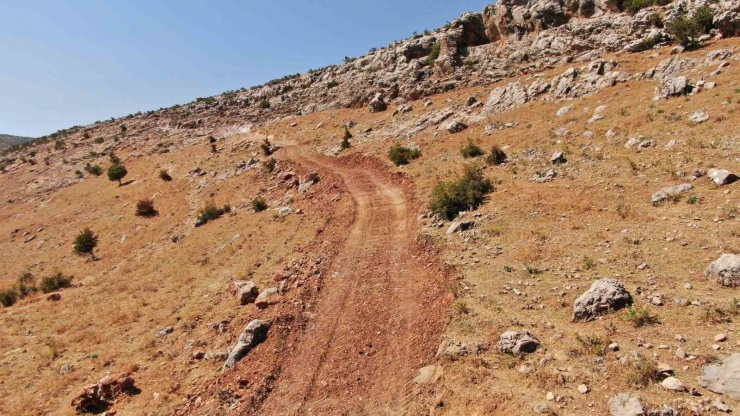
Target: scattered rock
(458, 226)
(625, 405)
(699, 117)
(583, 389)
(558, 158)
(425, 375)
(671, 192)
(99, 395)
(267, 298)
(254, 334)
(673, 384)
(604, 295)
(454, 126)
(245, 291)
(518, 342)
(725, 270)
(164, 332)
(377, 104)
(564, 110)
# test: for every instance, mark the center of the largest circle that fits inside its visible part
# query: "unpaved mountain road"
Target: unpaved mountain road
(379, 317)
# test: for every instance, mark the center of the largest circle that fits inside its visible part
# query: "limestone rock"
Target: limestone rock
(725, 270)
(670, 192)
(518, 342)
(254, 334)
(721, 177)
(267, 298)
(625, 405)
(723, 378)
(245, 291)
(604, 295)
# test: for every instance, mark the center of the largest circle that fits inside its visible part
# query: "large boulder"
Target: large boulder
(672, 87)
(723, 378)
(604, 295)
(725, 270)
(506, 98)
(728, 19)
(721, 177)
(254, 334)
(518, 342)
(626, 405)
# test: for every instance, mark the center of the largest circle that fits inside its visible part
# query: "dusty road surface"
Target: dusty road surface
(379, 318)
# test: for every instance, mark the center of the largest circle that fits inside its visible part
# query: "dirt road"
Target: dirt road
(379, 317)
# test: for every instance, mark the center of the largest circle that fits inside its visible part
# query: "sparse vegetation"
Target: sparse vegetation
(312, 177)
(210, 212)
(471, 150)
(55, 282)
(99, 140)
(592, 343)
(434, 54)
(401, 155)
(685, 31)
(85, 243)
(640, 317)
(259, 204)
(145, 208)
(94, 170)
(270, 164)
(643, 373)
(465, 193)
(266, 147)
(165, 176)
(496, 157)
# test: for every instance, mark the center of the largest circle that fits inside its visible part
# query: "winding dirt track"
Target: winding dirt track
(379, 317)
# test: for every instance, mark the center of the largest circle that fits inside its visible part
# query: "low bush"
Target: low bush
(55, 282)
(145, 208)
(463, 194)
(95, 170)
(434, 54)
(403, 155)
(643, 373)
(85, 242)
(99, 140)
(640, 317)
(8, 297)
(210, 212)
(259, 204)
(266, 147)
(496, 157)
(471, 150)
(164, 175)
(685, 31)
(270, 165)
(117, 173)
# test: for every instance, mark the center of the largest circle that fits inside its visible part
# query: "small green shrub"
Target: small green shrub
(593, 343)
(704, 18)
(55, 282)
(640, 317)
(634, 6)
(210, 212)
(95, 170)
(264, 104)
(685, 31)
(496, 157)
(266, 147)
(99, 140)
(644, 372)
(403, 155)
(259, 204)
(332, 84)
(465, 193)
(85, 242)
(8, 297)
(434, 54)
(471, 150)
(270, 164)
(116, 173)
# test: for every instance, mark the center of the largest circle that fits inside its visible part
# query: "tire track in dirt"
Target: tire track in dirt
(379, 317)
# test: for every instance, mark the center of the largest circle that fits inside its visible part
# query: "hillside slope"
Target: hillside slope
(7, 140)
(374, 304)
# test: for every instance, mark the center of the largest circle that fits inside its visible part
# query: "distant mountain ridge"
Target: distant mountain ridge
(7, 140)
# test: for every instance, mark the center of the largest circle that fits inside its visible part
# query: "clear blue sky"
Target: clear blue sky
(65, 63)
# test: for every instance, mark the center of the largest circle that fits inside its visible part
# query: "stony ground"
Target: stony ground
(535, 246)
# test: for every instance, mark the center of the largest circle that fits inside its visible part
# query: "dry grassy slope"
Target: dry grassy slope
(147, 282)
(143, 283)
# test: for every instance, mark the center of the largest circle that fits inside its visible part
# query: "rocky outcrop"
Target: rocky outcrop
(671, 192)
(625, 405)
(604, 295)
(245, 291)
